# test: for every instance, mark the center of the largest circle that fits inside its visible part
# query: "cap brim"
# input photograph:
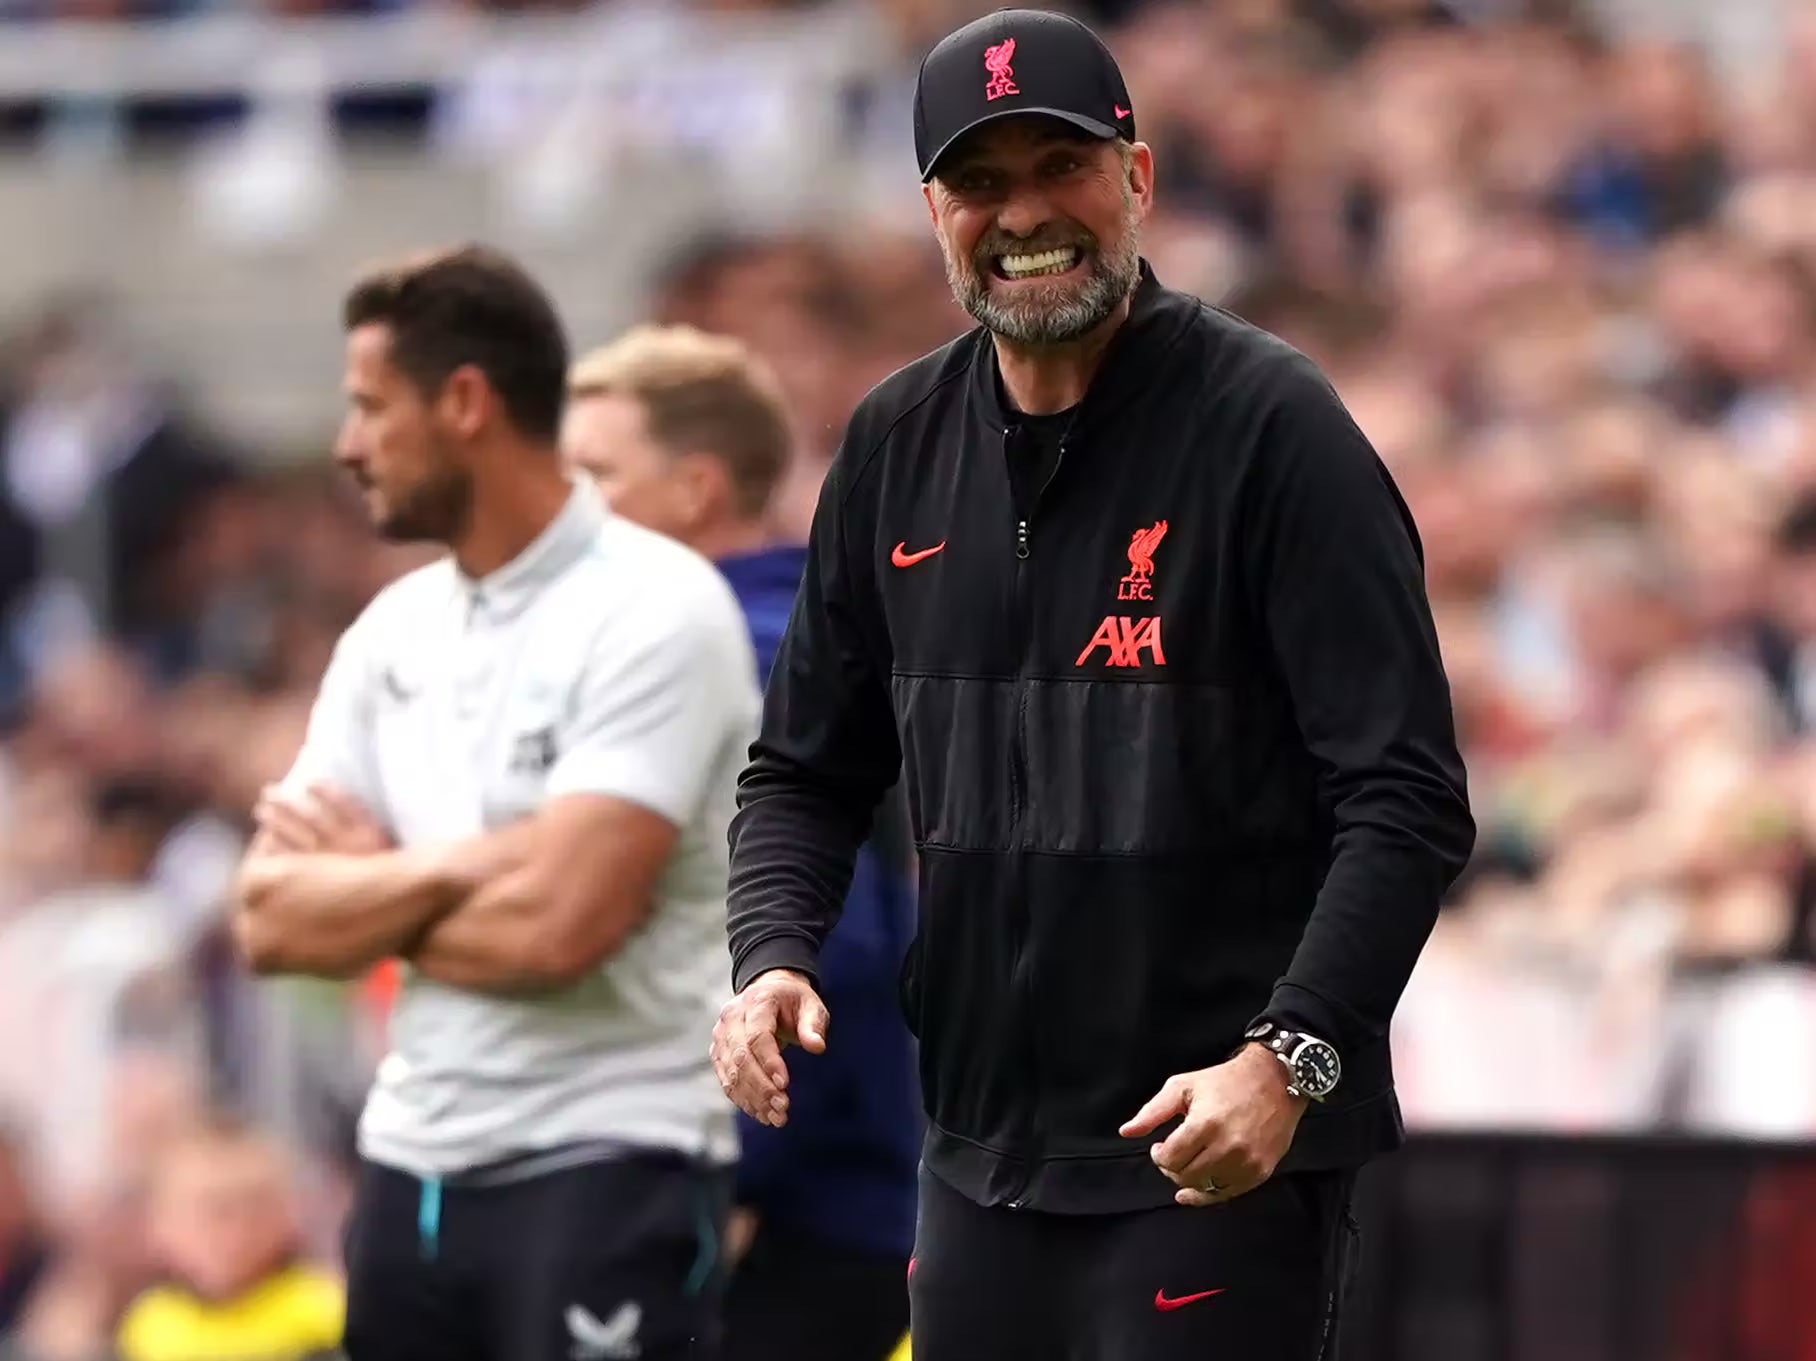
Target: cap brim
(1096, 127)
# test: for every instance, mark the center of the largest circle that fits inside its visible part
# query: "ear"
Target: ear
(933, 213)
(703, 487)
(466, 402)
(1141, 178)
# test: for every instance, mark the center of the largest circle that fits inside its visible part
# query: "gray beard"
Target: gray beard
(1049, 316)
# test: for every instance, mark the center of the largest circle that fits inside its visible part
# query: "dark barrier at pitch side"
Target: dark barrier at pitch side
(1516, 1248)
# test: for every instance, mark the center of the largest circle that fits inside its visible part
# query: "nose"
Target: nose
(1023, 213)
(346, 448)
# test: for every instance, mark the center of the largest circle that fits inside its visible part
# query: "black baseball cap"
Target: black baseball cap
(1012, 62)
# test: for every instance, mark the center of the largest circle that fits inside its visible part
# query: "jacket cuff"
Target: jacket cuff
(1294, 1008)
(778, 952)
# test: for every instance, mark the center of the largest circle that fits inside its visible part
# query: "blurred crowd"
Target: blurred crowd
(1568, 289)
(164, 9)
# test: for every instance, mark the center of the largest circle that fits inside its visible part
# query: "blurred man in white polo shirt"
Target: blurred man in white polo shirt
(518, 777)
(687, 433)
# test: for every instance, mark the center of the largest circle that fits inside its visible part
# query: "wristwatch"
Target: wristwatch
(1313, 1067)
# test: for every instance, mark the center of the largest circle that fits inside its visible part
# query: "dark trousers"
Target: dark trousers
(607, 1261)
(1255, 1279)
(798, 1298)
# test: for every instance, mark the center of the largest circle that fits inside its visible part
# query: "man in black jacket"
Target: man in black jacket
(1128, 600)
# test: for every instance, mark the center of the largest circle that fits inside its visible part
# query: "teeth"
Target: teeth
(1041, 262)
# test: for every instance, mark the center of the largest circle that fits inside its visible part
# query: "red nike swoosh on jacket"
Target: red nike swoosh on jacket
(1165, 1305)
(901, 559)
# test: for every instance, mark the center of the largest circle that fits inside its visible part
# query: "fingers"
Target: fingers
(1229, 1185)
(1195, 1199)
(356, 830)
(1168, 1102)
(339, 807)
(1197, 1139)
(748, 1086)
(1218, 1173)
(289, 827)
(766, 1054)
(275, 802)
(748, 1060)
(324, 819)
(1197, 1164)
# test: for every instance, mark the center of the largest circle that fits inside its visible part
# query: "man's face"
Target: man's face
(221, 1217)
(399, 447)
(1041, 227)
(607, 438)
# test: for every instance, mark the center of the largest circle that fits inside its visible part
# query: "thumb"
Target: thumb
(1169, 1101)
(811, 1020)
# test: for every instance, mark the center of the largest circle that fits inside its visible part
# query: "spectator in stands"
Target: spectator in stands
(1791, 653)
(97, 974)
(24, 1250)
(686, 433)
(224, 1231)
(100, 478)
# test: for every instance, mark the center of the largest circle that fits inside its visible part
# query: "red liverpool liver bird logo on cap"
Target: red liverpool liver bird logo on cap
(1002, 78)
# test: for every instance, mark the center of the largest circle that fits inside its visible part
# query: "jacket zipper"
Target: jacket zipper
(1021, 976)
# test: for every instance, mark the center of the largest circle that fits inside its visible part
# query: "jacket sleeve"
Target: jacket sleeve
(826, 752)
(1336, 573)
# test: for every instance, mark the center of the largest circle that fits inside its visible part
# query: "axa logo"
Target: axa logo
(1002, 78)
(1123, 637)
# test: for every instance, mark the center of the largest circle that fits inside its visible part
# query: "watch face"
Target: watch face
(1316, 1069)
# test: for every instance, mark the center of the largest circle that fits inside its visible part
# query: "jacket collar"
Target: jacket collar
(1157, 318)
(570, 536)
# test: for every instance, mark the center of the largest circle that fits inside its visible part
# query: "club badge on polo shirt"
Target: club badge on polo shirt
(533, 753)
(596, 1339)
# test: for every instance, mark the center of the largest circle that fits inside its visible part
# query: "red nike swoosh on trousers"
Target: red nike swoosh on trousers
(902, 559)
(1165, 1305)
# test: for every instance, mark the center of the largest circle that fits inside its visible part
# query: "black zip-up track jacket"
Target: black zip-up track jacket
(1176, 742)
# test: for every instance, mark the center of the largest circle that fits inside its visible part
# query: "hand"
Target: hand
(1239, 1122)
(777, 1008)
(325, 819)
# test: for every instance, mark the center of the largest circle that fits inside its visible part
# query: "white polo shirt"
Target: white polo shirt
(604, 659)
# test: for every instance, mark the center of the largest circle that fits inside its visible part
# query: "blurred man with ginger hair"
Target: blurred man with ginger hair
(686, 433)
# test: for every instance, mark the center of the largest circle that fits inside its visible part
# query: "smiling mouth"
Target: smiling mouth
(1036, 264)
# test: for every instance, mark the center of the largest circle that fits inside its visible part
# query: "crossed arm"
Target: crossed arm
(526, 908)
